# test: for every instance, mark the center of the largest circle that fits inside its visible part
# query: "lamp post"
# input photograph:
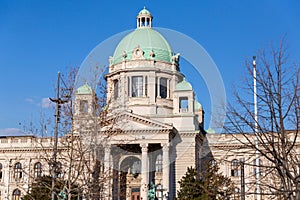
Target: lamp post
(242, 178)
(225, 192)
(58, 101)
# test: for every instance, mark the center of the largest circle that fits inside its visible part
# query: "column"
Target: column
(158, 86)
(168, 88)
(6, 179)
(144, 86)
(166, 168)
(144, 172)
(107, 174)
(190, 103)
(116, 185)
(129, 86)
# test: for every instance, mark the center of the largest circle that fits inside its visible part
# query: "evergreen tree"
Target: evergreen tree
(190, 186)
(204, 186)
(41, 189)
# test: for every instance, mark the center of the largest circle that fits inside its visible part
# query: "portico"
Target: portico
(134, 166)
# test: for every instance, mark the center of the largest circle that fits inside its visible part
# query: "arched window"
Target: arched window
(17, 171)
(159, 163)
(16, 194)
(235, 167)
(37, 169)
(1, 174)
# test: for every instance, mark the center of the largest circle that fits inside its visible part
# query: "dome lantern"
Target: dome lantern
(144, 19)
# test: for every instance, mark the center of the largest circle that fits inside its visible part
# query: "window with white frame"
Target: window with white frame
(183, 104)
(18, 171)
(163, 88)
(116, 89)
(37, 170)
(137, 86)
(159, 163)
(235, 167)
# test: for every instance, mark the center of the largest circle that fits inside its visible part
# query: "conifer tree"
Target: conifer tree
(204, 186)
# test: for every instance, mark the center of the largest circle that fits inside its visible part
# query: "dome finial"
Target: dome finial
(144, 18)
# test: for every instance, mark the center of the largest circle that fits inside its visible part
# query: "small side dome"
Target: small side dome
(197, 105)
(85, 89)
(183, 85)
(210, 130)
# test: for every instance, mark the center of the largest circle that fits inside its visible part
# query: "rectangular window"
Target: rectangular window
(137, 86)
(84, 106)
(163, 88)
(116, 89)
(183, 104)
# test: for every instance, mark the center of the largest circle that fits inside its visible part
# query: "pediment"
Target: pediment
(127, 121)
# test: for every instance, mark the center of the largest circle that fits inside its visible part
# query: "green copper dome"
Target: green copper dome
(144, 12)
(210, 130)
(197, 105)
(143, 43)
(150, 41)
(85, 89)
(184, 85)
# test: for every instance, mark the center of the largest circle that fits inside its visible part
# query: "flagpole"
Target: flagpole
(257, 163)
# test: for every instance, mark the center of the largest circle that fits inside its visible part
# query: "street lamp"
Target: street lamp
(225, 192)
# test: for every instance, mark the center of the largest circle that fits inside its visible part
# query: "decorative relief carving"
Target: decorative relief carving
(144, 147)
(137, 53)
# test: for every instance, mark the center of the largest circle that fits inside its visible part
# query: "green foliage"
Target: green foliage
(206, 186)
(41, 189)
(190, 186)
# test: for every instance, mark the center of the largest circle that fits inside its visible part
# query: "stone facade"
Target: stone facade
(152, 132)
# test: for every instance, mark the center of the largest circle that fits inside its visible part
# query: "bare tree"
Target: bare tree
(274, 132)
(79, 162)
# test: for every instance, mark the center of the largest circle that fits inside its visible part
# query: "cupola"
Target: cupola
(144, 43)
(144, 19)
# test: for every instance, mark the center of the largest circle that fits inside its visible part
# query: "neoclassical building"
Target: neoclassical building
(155, 117)
(152, 130)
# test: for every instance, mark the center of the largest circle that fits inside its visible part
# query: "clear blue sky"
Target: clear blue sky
(39, 38)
